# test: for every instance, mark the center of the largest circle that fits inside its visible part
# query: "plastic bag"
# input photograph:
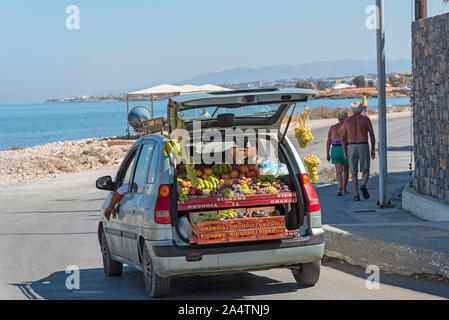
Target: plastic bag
(272, 168)
(185, 228)
(282, 170)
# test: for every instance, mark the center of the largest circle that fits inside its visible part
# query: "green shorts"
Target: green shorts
(338, 155)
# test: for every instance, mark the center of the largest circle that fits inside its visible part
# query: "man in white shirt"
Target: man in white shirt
(116, 197)
(205, 115)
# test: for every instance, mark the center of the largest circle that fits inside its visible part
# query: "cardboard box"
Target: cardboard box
(241, 224)
(242, 235)
(271, 233)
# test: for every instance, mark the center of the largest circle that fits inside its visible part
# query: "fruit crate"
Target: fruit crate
(208, 226)
(271, 233)
(271, 222)
(210, 237)
(242, 235)
(241, 224)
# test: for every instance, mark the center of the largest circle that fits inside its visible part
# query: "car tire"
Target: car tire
(307, 274)
(111, 268)
(155, 286)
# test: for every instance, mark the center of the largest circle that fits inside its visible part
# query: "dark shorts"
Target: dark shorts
(359, 153)
(337, 155)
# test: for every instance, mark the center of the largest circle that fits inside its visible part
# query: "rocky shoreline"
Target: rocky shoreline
(54, 159)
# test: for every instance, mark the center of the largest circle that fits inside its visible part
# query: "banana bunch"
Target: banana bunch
(229, 213)
(180, 124)
(210, 183)
(312, 162)
(302, 130)
(171, 148)
(206, 218)
(220, 169)
(191, 175)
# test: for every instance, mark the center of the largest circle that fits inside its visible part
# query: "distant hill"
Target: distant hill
(307, 70)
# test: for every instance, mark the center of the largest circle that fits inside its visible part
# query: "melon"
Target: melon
(234, 174)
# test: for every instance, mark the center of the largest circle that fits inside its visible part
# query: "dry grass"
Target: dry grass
(326, 175)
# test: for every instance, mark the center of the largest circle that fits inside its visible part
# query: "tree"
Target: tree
(359, 82)
(395, 81)
(322, 84)
(370, 83)
(304, 84)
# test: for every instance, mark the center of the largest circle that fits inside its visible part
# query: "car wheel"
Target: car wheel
(155, 286)
(111, 268)
(307, 274)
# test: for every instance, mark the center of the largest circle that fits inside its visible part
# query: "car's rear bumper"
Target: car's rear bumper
(172, 260)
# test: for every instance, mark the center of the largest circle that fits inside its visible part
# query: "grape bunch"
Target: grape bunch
(302, 130)
(312, 162)
(191, 175)
(303, 135)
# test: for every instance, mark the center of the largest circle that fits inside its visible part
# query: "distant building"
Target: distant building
(342, 86)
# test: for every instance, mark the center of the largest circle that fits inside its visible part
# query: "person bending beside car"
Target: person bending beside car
(116, 197)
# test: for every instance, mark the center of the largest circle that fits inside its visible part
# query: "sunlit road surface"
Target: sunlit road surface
(49, 225)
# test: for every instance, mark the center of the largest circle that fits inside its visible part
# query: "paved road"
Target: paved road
(49, 225)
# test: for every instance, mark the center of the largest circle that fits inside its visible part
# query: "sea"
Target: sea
(33, 124)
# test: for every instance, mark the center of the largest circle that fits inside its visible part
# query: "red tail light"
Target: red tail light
(162, 208)
(311, 195)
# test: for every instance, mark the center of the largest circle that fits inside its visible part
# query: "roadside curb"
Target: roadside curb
(388, 256)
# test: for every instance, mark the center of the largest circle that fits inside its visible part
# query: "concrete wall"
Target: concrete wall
(430, 101)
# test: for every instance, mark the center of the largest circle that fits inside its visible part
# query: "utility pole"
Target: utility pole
(420, 9)
(382, 109)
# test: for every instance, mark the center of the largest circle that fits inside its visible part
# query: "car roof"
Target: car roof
(232, 97)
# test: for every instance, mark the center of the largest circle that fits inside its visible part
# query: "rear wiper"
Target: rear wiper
(215, 111)
(288, 124)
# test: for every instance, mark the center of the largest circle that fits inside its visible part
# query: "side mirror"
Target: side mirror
(105, 183)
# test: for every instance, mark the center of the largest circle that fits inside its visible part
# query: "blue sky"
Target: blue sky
(125, 45)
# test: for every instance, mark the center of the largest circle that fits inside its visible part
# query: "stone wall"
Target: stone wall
(430, 101)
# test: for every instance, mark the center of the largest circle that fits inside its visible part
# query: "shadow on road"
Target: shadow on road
(434, 287)
(54, 211)
(95, 285)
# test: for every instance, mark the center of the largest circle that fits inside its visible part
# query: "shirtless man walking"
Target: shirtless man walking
(356, 148)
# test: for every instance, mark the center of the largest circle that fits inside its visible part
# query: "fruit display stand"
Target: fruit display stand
(237, 201)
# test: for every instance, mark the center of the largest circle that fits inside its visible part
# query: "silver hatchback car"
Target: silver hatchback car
(145, 232)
